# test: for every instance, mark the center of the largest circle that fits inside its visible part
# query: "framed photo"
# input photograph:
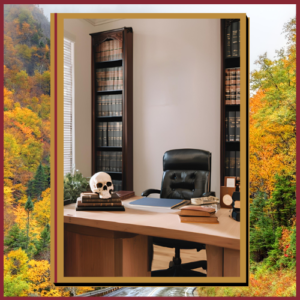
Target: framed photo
(230, 181)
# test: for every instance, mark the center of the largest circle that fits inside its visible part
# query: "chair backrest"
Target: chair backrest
(187, 173)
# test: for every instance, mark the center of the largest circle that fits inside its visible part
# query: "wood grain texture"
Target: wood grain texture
(231, 263)
(96, 252)
(160, 222)
(215, 256)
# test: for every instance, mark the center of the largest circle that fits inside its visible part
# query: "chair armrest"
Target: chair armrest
(209, 194)
(150, 191)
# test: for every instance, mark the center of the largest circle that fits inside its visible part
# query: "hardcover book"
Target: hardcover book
(232, 163)
(231, 125)
(237, 126)
(98, 203)
(234, 40)
(191, 219)
(191, 210)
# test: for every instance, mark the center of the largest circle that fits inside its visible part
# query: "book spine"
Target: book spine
(237, 86)
(237, 164)
(89, 200)
(227, 126)
(120, 134)
(237, 126)
(116, 134)
(239, 32)
(227, 159)
(227, 86)
(231, 163)
(99, 103)
(234, 39)
(232, 86)
(109, 134)
(228, 42)
(99, 204)
(104, 135)
(120, 105)
(231, 120)
(114, 161)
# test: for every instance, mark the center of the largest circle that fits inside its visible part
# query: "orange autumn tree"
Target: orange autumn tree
(273, 117)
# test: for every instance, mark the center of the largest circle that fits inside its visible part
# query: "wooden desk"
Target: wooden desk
(103, 243)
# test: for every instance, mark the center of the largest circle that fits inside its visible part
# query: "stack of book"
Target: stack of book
(109, 79)
(91, 201)
(232, 163)
(232, 126)
(109, 134)
(198, 214)
(233, 39)
(232, 86)
(110, 105)
(109, 161)
(109, 50)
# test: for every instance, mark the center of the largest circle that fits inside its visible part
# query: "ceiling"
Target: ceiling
(96, 22)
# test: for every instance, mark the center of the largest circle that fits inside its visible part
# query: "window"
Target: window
(69, 153)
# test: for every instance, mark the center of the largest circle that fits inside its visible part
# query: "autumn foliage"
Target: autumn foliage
(272, 119)
(27, 196)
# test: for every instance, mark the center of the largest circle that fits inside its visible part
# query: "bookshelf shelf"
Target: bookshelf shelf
(109, 63)
(109, 92)
(109, 118)
(109, 148)
(115, 75)
(230, 87)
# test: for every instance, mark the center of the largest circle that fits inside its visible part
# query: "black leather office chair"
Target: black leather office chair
(186, 175)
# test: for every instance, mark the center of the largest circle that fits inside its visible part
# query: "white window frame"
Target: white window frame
(72, 107)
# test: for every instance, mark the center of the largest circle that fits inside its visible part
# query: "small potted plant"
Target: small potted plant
(74, 184)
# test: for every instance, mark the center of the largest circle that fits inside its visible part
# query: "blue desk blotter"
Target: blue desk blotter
(158, 202)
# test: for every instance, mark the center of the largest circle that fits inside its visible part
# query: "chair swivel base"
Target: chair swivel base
(181, 270)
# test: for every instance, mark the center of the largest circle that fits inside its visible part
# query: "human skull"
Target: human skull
(101, 184)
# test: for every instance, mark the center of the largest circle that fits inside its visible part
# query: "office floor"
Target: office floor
(163, 255)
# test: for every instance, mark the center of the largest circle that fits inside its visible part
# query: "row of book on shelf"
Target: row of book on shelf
(117, 185)
(232, 37)
(232, 126)
(232, 86)
(109, 161)
(109, 50)
(232, 163)
(110, 105)
(109, 79)
(109, 134)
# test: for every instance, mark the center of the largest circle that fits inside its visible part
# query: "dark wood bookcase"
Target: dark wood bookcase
(227, 63)
(123, 60)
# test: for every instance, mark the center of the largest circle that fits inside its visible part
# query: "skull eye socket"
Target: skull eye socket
(99, 185)
(109, 184)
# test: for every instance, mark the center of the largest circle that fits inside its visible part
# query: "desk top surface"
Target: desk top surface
(160, 222)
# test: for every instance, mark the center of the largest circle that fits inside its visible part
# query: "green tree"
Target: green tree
(15, 286)
(38, 184)
(283, 200)
(15, 239)
(44, 241)
(261, 228)
(29, 208)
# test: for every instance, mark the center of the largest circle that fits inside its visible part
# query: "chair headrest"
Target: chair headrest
(187, 159)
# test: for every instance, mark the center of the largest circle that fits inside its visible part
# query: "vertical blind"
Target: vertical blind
(68, 106)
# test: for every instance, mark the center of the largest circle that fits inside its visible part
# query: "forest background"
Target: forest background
(27, 165)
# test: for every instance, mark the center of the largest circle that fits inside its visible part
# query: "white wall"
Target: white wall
(176, 92)
(78, 32)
